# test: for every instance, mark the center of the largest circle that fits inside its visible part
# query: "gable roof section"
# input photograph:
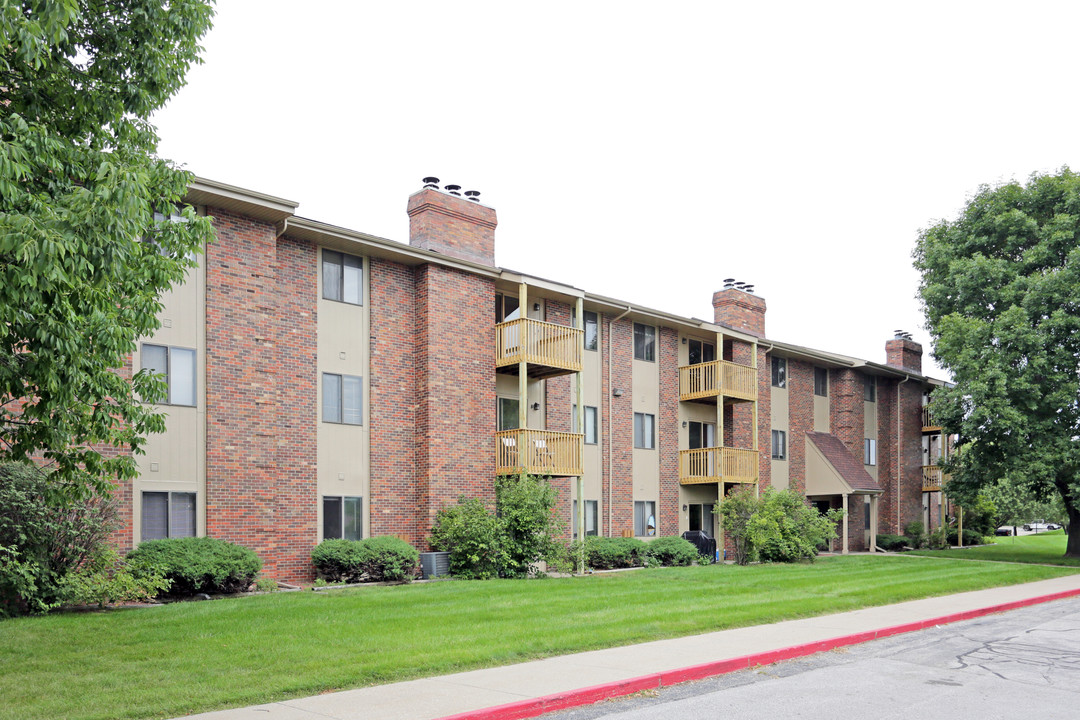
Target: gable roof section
(844, 467)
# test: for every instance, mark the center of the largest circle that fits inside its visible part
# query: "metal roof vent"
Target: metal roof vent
(453, 190)
(473, 195)
(431, 183)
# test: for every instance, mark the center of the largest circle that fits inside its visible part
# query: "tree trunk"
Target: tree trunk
(1072, 546)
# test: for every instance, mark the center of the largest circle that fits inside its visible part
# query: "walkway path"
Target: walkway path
(527, 689)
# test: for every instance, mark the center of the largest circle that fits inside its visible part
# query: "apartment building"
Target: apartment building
(329, 383)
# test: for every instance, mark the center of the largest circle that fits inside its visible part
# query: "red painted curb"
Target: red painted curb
(587, 696)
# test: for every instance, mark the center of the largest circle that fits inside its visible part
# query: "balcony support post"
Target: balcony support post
(754, 429)
(844, 550)
(720, 399)
(523, 367)
(579, 394)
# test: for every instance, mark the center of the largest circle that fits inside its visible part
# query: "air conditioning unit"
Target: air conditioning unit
(434, 564)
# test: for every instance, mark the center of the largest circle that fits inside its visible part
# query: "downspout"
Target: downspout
(899, 437)
(611, 458)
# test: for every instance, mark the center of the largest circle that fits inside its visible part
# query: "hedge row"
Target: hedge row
(375, 559)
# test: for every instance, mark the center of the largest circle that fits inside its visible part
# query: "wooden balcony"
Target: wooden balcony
(932, 478)
(705, 382)
(709, 465)
(929, 425)
(548, 349)
(538, 452)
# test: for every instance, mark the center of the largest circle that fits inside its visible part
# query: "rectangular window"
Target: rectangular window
(644, 431)
(343, 397)
(592, 330)
(870, 452)
(644, 518)
(343, 518)
(699, 352)
(779, 372)
(821, 382)
(506, 308)
(779, 445)
(644, 342)
(178, 367)
(702, 435)
(508, 413)
(592, 514)
(591, 430)
(342, 277)
(869, 388)
(168, 514)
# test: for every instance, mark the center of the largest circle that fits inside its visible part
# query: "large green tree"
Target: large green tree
(80, 183)
(1001, 290)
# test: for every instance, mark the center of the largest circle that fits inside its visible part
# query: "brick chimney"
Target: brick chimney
(903, 352)
(452, 225)
(739, 309)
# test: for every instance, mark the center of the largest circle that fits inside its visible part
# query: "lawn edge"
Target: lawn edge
(533, 707)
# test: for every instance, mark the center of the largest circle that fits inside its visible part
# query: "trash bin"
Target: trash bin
(705, 544)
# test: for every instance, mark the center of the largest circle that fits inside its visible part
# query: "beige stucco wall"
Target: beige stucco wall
(646, 399)
(870, 426)
(779, 421)
(592, 459)
(175, 461)
(696, 494)
(821, 414)
(343, 450)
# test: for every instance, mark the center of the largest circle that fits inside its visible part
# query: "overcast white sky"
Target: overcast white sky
(646, 151)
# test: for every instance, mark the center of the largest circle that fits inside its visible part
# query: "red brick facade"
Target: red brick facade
(431, 404)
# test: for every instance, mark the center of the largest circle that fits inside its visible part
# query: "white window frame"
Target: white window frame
(170, 509)
(359, 500)
(869, 451)
(643, 510)
(592, 424)
(779, 445)
(779, 372)
(592, 518)
(644, 431)
(334, 261)
(341, 418)
(646, 349)
(171, 376)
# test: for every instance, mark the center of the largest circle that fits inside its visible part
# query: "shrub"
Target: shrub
(604, 553)
(375, 559)
(915, 534)
(671, 550)
(526, 509)
(108, 579)
(786, 529)
(473, 536)
(48, 529)
(509, 543)
(892, 543)
(199, 565)
(971, 537)
(937, 539)
(265, 584)
(735, 512)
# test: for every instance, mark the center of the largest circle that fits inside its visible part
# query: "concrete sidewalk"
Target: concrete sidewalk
(528, 689)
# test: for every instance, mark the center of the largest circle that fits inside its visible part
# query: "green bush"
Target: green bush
(474, 538)
(531, 528)
(786, 529)
(508, 543)
(671, 550)
(915, 534)
(735, 513)
(937, 539)
(971, 537)
(108, 579)
(375, 559)
(48, 529)
(892, 543)
(605, 553)
(199, 565)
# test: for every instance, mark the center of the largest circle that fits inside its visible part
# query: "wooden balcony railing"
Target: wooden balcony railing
(709, 465)
(538, 452)
(932, 478)
(540, 344)
(928, 422)
(711, 379)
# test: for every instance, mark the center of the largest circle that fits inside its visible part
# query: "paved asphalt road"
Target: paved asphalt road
(1023, 663)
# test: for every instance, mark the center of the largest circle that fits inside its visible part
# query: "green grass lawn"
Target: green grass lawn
(1046, 548)
(191, 657)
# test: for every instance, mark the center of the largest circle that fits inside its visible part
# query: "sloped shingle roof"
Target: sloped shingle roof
(850, 467)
